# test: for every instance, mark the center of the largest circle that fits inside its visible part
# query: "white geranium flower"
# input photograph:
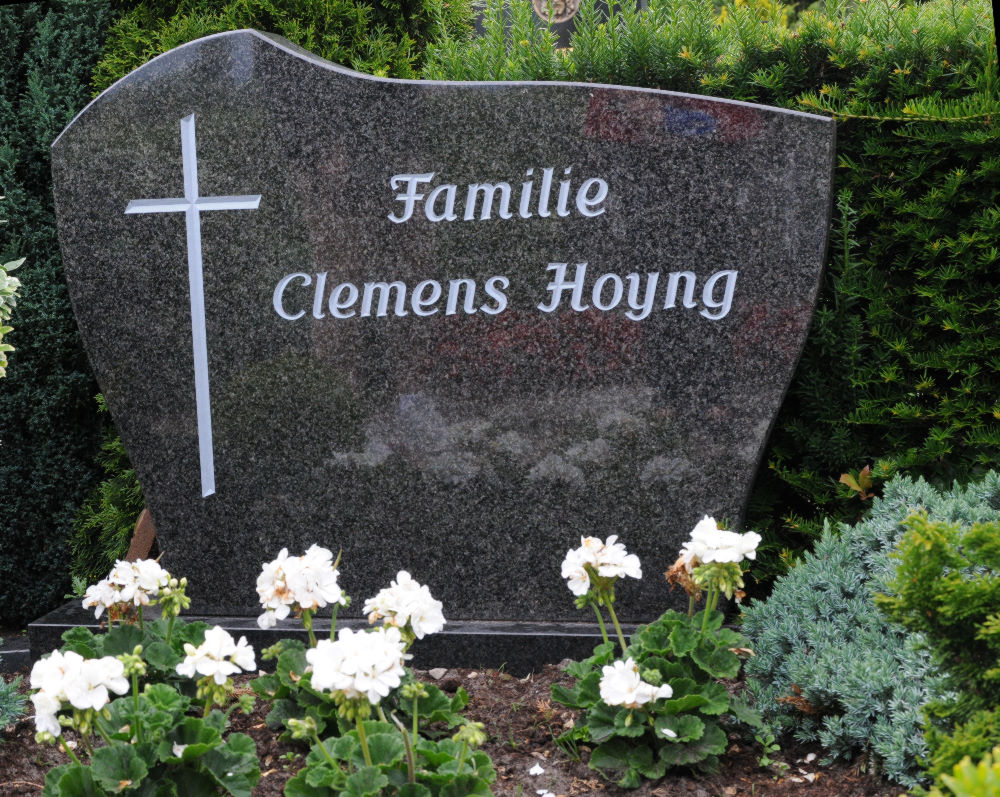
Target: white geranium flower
(70, 678)
(621, 685)
(314, 582)
(297, 582)
(219, 656)
(614, 560)
(87, 686)
(709, 543)
(404, 602)
(138, 583)
(359, 664)
(608, 559)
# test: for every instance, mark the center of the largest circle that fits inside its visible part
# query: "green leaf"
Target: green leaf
(719, 662)
(466, 786)
(686, 728)
(386, 748)
(601, 722)
(123, 639)
(300, 787)
(366, 782)
(628, 759)
(717, 697)
(71, 780)
(194, 736)
(291, 666)
(117, 767)
(711, 743)
(166, 698)
(630, 723)
(234, 765)
(161, 656)
(81, 640)
(746, 713)
(413, 790)
(683, 639)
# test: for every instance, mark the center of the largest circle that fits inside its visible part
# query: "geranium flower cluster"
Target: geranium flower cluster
(219, 656)
(359, 664)
(406, 602)
(299, 583)
(128, 584)
(70, 678)
(622, 685)
(709, 543)
(607, 559)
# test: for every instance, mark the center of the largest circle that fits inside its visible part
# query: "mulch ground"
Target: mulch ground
(521, 722)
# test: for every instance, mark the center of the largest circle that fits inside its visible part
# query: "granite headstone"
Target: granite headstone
(446, 327)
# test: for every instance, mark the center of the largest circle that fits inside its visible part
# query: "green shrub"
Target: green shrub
(947, 589)
(829, 666)
(12, 702)
(49, 430)
(382, 37)
(901, 369)
(102, 531)
(973, 780)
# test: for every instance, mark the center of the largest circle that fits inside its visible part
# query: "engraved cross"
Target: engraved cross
(192, 205)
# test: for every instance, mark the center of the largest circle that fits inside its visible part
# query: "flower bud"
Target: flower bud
(303, 729)
(473, 733)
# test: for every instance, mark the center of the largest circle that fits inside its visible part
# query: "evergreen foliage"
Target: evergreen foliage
(901, 370)
(829, 666)
(381, 37)
(103, 529)
(947, 588)
(49, 430)
(12, 702)
(972, 780)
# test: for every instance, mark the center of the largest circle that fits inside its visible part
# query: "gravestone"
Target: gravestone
(442, 327)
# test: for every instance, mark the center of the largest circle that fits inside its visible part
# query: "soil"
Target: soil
(521, 722)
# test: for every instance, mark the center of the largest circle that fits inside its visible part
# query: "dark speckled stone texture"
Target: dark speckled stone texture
(471, 448)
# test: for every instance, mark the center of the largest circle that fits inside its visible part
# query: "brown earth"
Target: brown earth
(521, 721)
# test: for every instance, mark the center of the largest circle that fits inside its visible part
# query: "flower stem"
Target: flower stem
(333, 621)
(307, 621)
(66, 749)
(319, 744)
(137, 720)
(461, 758)
(600, 622)
(618, 628)
(170, 627)
(364, 741)
(411, 767)
(416, 719)
(140, 617)
(381, 714)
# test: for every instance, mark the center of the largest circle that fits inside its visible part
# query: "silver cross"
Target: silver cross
(191, 205)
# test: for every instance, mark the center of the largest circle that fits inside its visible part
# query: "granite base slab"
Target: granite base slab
(517, 647)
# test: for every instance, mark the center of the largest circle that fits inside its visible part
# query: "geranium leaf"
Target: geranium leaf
(746, 713)
(81, 640)
(122, 639)
(234, 765)
(716, 661)
(299, 786)
(683, 639)
(412, 790)
(366, 782)
(710, 743)
(466, 786)
(717, 697)
(71, 780)
(385, 749)
(161, 656)
(630, 723)
(686, 728)
(188, 741)
(117, 767)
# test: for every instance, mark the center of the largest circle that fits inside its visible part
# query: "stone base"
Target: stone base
(517, 647)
